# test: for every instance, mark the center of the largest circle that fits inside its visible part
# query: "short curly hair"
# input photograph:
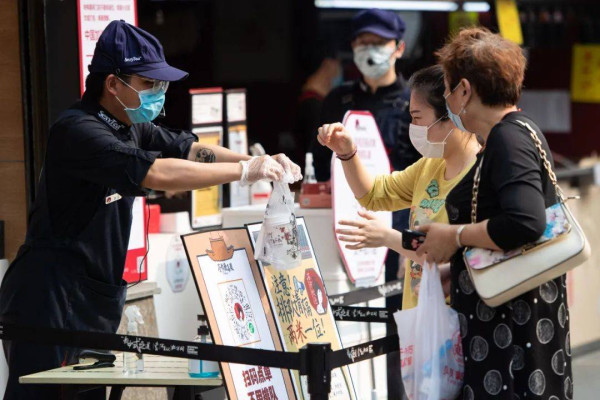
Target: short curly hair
(494, 66)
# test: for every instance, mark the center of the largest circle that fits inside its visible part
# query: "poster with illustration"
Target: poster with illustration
(302, 313)
(239, 314)
(207, 202)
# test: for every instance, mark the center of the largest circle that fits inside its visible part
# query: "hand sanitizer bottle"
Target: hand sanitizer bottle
(309, 169)
(202, 368)
(133, 362)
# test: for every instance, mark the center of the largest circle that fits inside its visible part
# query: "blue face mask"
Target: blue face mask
(455, 118)
(151, 104)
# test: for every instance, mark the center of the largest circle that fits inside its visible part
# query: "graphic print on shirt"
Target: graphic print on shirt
(433, 204)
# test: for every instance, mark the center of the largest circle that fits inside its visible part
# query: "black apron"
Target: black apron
(47, 285)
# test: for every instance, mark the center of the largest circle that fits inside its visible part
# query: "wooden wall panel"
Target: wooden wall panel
(13, 207)
(11, 134)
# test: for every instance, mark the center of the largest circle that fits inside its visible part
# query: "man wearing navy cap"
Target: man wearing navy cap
(101, 153)
(376, 44)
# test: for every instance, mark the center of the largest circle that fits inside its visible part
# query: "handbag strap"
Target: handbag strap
(476, 180)
(543, 156)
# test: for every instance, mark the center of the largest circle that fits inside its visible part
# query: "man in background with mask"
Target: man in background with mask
(101, 153)
(376, 44)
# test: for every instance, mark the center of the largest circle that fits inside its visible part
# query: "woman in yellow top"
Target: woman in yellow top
(448, 154)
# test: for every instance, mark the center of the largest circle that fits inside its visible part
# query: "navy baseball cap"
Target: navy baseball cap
(386, 24)
(126, 49)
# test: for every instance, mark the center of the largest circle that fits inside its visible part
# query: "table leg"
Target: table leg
(116, 392)
(69, 392)
(184, 393)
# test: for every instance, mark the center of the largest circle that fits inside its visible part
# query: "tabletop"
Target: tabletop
(158, 371)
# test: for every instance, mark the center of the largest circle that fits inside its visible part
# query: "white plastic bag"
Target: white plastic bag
(277, 242)
(431, 356)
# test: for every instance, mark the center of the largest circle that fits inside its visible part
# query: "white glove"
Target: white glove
(260, 168)
(293, 172)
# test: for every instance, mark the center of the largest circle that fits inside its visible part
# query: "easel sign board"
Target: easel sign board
(238, 310)
(299, 300)
(363, 266)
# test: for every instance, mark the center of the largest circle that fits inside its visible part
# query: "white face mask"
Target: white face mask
(373, 61)
(418, 138)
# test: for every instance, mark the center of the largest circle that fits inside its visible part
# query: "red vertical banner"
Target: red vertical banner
(136, 262)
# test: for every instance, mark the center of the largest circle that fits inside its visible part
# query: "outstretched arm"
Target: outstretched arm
(335, 137)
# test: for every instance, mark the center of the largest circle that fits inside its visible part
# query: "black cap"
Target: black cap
(386, 24)
(126, 49)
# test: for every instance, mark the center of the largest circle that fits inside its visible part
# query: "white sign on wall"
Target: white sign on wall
(366, 265)
(93, 16)
(236, 106)
(207, 106)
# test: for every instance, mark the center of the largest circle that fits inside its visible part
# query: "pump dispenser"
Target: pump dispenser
(203, 368)
(133, 362)
(309, 169)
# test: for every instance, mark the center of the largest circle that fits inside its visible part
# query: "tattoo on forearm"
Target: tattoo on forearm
(205, 155)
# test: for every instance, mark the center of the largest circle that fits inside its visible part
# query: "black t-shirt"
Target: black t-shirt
(515, 188)
(91, 157)
(520, 349)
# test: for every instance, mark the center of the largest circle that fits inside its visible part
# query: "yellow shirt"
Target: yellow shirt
(421, 187)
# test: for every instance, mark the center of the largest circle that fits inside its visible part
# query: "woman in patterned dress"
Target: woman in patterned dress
(519, 350)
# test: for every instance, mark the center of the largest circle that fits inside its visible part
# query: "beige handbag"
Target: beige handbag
(500, 276)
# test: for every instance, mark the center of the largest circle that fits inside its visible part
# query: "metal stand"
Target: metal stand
(116, 392)
(315, 365)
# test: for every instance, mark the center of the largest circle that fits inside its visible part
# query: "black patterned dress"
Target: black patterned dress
(521, 349)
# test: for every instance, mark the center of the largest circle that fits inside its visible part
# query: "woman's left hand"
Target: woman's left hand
(369, 232)
(440, 243)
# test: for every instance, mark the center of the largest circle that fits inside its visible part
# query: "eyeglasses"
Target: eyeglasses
(158, 86)
(451, 91)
